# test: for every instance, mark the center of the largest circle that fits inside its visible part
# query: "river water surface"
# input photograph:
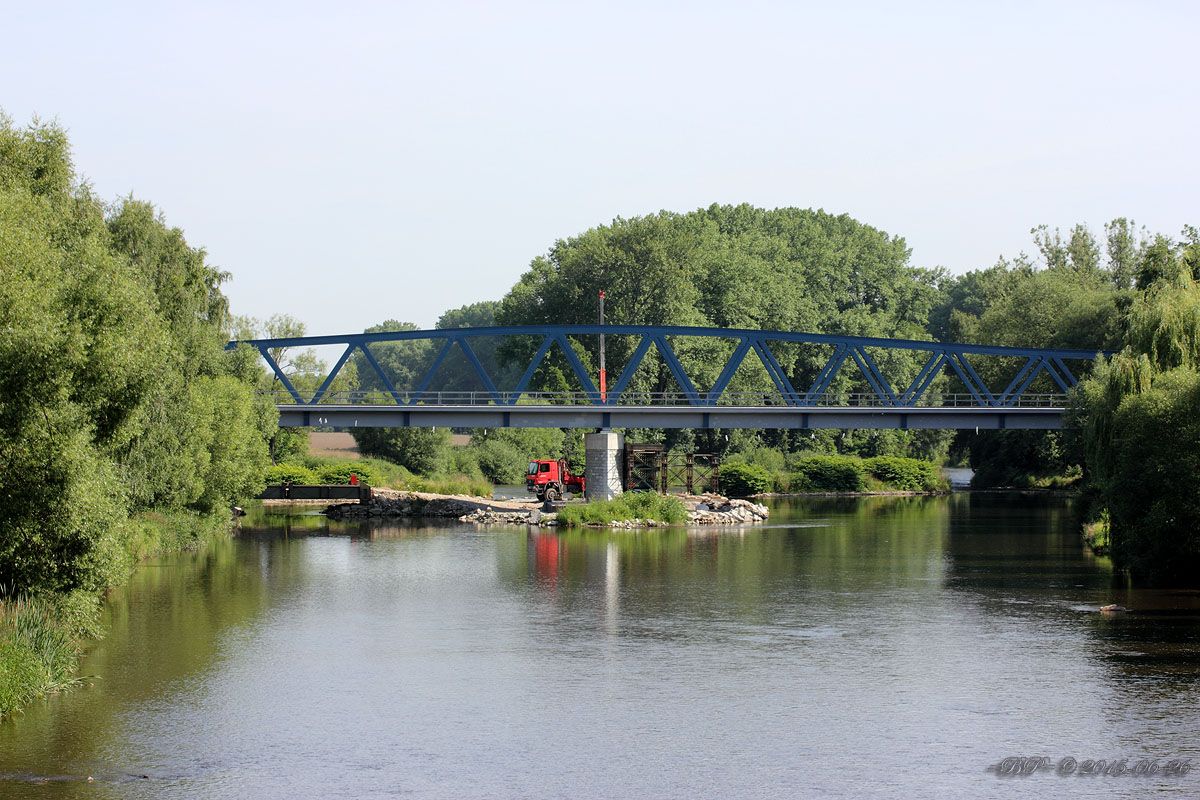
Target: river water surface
(880, 647)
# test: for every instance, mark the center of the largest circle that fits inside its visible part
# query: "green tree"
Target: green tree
(505, 453)
(1142, 433)
(113, 330)
(725, 266)
(419, 450)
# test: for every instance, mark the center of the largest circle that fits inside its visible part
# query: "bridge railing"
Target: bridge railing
(653, 399)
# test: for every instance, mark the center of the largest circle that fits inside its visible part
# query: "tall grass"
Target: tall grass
(40, 640)
(42, 635)
(631, 505)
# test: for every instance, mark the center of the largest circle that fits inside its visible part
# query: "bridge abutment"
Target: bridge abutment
(603, 468)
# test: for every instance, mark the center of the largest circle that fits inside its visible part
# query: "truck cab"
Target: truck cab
(550, 479)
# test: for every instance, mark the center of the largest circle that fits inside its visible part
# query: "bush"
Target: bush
(501, 461)
(339, 472)
(905, 474)
(504, 453)
(419, 450)
(289, 444)
(464, 461)
(295, 473)
(828, 474)
(631, 505)
(769, 458)
(744, 480)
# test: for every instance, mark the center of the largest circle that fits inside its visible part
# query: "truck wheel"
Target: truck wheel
(551, 494)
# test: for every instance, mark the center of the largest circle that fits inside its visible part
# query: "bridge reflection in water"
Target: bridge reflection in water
(963, 400)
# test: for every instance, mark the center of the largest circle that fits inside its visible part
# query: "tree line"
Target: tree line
(117, 397)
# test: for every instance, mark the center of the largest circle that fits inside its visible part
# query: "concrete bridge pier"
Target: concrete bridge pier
(603, 469)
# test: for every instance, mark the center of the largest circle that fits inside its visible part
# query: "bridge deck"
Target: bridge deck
(606, 416)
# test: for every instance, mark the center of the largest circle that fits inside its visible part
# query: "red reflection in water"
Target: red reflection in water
(545, 554)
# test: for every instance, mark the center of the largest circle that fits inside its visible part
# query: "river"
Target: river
(883, 647)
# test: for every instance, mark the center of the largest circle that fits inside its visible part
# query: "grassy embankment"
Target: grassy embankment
(42, 635)
(629, 506)
(823, 474)
(376, 472)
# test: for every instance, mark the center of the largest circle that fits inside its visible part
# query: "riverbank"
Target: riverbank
(845, 475)
(631, 510)
(43, 635)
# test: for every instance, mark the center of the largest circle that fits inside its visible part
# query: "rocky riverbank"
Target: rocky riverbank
(395, 503)
(707, 509)
(713, 509)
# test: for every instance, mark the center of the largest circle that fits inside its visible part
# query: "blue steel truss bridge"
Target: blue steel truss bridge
(844, 385)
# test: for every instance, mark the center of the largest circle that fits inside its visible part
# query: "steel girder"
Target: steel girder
(853, 349)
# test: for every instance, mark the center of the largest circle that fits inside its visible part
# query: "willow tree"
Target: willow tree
(1140, 412)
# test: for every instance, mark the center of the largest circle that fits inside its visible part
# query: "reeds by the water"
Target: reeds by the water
(40, 639)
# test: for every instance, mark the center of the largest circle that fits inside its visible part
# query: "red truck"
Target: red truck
(549, 480)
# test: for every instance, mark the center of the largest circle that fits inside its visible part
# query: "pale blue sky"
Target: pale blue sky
(352, 162)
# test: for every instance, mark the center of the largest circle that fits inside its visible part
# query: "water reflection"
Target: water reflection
(902, 644)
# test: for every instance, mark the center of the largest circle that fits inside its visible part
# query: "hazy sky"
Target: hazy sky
(354, 162)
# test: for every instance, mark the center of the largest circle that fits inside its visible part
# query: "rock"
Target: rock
(484, 516)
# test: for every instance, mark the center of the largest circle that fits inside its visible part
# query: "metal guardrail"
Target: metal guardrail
(657, 399)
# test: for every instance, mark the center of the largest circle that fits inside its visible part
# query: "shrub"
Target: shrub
(905, 474)
(419, 450)
(828, 474)
(770, 458)
(282, 473)
(743, 480)
(338, 472)
(465, 461)
(501, 461)
(631, 505)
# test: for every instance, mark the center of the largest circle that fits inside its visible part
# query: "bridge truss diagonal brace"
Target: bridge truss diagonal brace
(1021, 380)
(870, 370)
(274, 365)
(527, 375)
(685, 383)
(427, 378)
(635, 361)
(479, 369)
(825, 377)
(777, 373)
(375, 365)
(1029, 372)
(731, 367)
(325, 384)
(1066, 371)
(929, 372)
(585, 380)
(970, 378)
